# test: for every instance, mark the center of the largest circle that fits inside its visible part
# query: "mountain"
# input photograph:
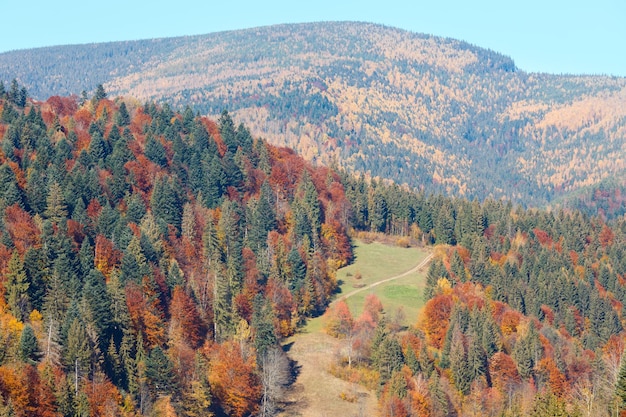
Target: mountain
(437, 114)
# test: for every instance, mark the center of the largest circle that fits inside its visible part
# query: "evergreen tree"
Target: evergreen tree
(196, 401)
(56, 209)
(155, 151)
(166, 202)
(159, 372)
(97, 306)
(461, 369)
(444, 226)
(389, 358)
(476, 357)
(620, 389)
(77, 353)
(214, 180)
(99, 94)
(263, 325)
(227, 131)
(28, 348)
(36, 268)
(134, 265)
(490, 339)
(378, 212)
(16, 287)
(122, 118)
(98, 148)
(222, 305)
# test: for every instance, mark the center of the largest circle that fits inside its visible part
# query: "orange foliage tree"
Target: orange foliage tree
(186, 319)
(234, 380)
(21, 227)
(435, 319)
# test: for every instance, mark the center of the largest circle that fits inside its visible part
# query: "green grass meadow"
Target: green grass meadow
(376, 262)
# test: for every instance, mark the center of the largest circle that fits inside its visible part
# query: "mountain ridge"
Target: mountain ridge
(435, 113)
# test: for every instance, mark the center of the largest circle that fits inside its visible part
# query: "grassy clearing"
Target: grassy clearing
(375, 262)
(317, 393)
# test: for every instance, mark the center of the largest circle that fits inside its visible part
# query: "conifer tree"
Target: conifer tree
(227, 131)
(159, 372)
(122, 118)
(97, 306)
(155, 151)
(56, 209)
(28, 348)
(461, 370)
(17, 286)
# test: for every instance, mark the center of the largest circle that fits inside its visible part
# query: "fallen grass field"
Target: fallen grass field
(317, 393)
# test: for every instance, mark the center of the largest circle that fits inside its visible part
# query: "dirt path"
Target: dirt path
(404, 274)
(317, 393)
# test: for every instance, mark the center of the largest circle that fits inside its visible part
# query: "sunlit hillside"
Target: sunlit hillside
(437, 114)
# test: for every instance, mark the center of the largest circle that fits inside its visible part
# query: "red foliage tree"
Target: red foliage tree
(103, 397)
(373, 306)
(503, 371)
(435, 319)
(186, 318)
(339, 321)
(21, 227)
(234, 380)
(144, 316)
(106, 256)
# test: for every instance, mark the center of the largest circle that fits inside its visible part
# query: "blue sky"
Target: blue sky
(555, 36)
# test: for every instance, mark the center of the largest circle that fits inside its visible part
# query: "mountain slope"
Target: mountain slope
(434, 113)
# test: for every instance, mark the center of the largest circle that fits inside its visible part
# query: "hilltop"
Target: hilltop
(437, 114)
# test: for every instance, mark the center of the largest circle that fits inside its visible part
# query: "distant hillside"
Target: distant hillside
(437, 114)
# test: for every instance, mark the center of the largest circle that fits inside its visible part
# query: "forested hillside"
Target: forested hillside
(152, 260)
(525, 311)
(437, 114)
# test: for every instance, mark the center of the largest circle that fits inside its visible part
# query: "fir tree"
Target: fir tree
(159, 371)
(28, 348)
(17, 286)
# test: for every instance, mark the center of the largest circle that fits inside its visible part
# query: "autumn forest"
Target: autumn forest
(153, 260)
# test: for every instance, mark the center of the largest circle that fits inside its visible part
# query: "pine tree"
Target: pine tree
(389, 358)
(17, 286)
(222, 305)
(476, 357)
(97, 306)
(37, 271)
(490, 337)
(56, 209)
(99, 94)
(28, 348)
(122, 118)
(378, 212)
(77, 353)
(155, 151)
(98, 148)
(159, 372)
(461, 369)
(227, 131)
(197, 400)
(263, 325)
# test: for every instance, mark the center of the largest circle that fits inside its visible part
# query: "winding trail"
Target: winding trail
(367, 287)
(317, 393)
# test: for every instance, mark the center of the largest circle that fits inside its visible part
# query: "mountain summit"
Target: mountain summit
(437, 114)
